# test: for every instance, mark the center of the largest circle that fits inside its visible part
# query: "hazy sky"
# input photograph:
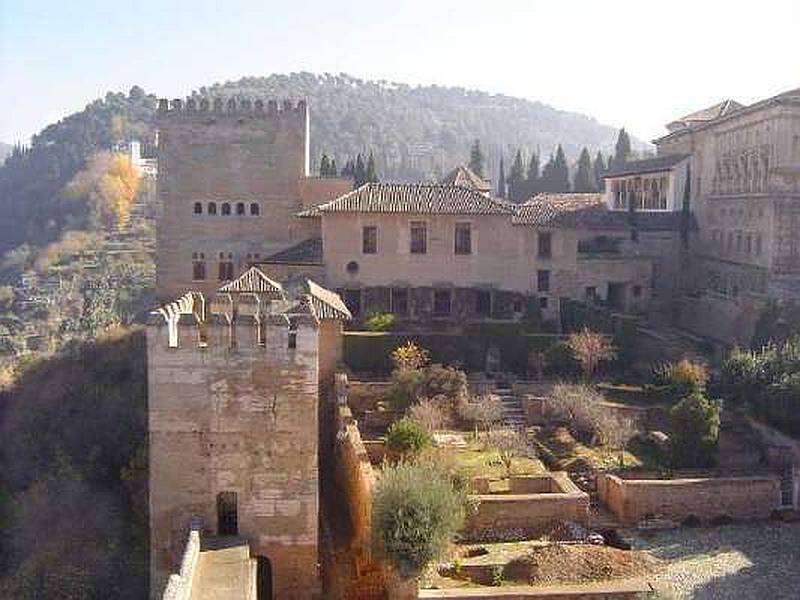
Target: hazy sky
(638, 63)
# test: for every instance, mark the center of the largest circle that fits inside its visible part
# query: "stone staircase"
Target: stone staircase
(225, 570)
(513, 413)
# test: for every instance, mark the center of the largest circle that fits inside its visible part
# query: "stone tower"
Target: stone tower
(234, 393)
(232, 175)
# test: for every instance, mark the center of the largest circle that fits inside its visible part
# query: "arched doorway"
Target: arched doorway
(263, 578)
(227, 514)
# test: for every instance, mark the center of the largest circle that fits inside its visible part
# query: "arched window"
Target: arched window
(226, 208)
(198, 208)
(240, 208)
(212, 208)
(255, 209)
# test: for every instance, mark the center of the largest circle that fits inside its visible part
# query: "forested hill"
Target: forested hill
(415, 133)
(421, 132)
(5, 150)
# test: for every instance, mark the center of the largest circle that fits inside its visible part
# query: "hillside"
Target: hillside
(421, 132)
(415, 132)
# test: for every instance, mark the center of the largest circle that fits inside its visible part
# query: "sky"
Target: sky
(632, 63)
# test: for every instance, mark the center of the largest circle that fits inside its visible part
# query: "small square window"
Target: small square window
(198, 208)
(369, 240)
(591, 293)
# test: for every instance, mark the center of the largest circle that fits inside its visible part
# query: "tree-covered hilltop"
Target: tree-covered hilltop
(419, 132)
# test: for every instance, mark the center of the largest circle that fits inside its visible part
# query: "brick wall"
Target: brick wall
(704, 497)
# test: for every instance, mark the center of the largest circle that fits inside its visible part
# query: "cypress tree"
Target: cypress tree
(532, 178)
(547, 180)
(324, 166)
(359, 172)
(371, 175)
(516, 179)
(501, 180)
(599, 171)
(476, 159)
(585, 180)
(332, 170)
(622, 150)
(560, 171)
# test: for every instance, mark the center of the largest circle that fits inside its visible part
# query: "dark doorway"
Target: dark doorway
(616, 296)
(263, 578)
(227, 514)
(352, 299)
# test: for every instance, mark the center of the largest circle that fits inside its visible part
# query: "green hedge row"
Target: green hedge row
(370, 351)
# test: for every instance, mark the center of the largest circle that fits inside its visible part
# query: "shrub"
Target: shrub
(590, 349)
(380, 321)
(432, 413)
(480, 411)
(578, 406)
(408, 437)
(694, 431)
(687, 377)
(559, 359)
(409, 356)
(446, 382)
(416, 511)
(407, 387)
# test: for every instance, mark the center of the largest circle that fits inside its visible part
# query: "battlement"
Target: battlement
(217, 107)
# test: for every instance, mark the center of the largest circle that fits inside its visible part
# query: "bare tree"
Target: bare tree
(481, 411)
(431, 413)
(590, 348)
(509, 443)
(619, 432)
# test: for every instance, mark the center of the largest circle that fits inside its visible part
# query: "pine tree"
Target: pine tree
(516, 180)
(476, 159)
(585, 180)
(532, 178)
(359, 172)
(371, 175)
(324, 166)
(501, 180)
(599, 171)
(332, 170)
(622, 150)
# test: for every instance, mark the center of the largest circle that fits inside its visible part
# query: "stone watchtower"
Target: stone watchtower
(234, 394)
(232, 175)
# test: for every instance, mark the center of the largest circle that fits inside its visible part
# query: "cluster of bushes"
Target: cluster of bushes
(576, 316)
(767, 380)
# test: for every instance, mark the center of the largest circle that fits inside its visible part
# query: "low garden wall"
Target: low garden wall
(633, 500)
(532, 505)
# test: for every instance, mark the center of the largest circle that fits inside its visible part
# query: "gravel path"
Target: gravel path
(759, 561)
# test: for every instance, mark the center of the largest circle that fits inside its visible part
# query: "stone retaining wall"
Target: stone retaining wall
(529, 512)
(179, 586)
(632, 500)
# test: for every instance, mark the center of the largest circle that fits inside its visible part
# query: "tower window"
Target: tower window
(198, 266)
(292, 341)
(255, 209)
(545, 244)
(240, 208)
(543, 281)
(369, 240)
(212, 208)
(419, 238)
(227, 513)
(441, 303)
(226, 208)
(225, 270)
(198, 208)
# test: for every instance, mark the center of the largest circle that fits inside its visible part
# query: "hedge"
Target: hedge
(369, 352)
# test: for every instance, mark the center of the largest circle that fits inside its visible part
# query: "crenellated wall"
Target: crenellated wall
(233, 407)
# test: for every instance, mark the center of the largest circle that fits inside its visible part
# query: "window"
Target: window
(545, 243)
(419, 238)
(212, 208)
(198, 208)
(463, 239)
(758, 245)
(226, 208)
(369, 239)
(198, 266)
(240, 208)
(441, 303)
(399, 301)
(543, 281)
(543, 302)
(225, 267)
(591, 293)
(748, 244)
(483, 303)
(637, 291)
(255, 209)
